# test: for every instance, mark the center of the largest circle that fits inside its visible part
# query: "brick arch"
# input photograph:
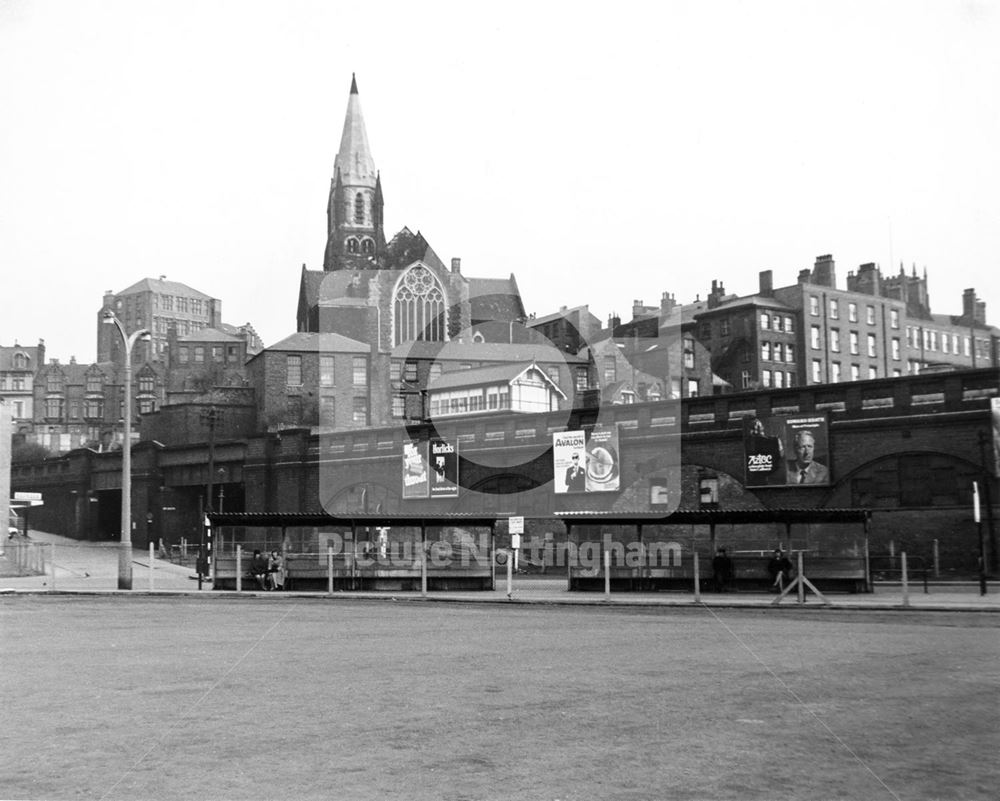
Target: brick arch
(907, 479)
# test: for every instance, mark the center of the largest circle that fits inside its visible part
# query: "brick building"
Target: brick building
(17, 380)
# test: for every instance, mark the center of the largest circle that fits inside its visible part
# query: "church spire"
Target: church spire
(355, 237)
(354, 160)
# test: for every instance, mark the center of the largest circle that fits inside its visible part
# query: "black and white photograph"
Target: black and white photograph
(529, 401)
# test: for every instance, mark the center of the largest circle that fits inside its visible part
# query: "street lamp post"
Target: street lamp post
(125, 546)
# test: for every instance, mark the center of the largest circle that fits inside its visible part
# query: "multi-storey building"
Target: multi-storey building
(157, 305)
(17, 378)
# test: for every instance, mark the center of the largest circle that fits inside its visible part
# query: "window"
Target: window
(95, 382)
(182, 304)
(835, 340)
(93, 408)
(609, 370)
(814, 337)
(293, 370)
(53, 382)
(871, 345)
(814, 306)
(776, 322)
(873, 372)
(854, 342)
(395, 370)
(765, 377)
(789, 325)
(53, 407)
(293, 409)
(367, 246)
(944, 343)
(167, 302)
(20, 361)
(18, 382)
(491, 400)
(582, 380)
(779, 379)
(326, 376)
(834, 308)
(352, 245)
(688, 351)
(706, 330)
(359, 208)
(765, 321)
(870, 315)
(852, 312)
(789, 353)
(435, 371)
(692, 388)
(410, 372)
(835, 372)
(765, 351)
(360, 374)
(791, 380)
(182, 354)
(232, 353)
(419, 311)
(196, 307)
(855, 372)
(895, 348)
(327, 410)
(199, 354)
(216, 353)
(965, 346)
(724, 327)
(817, 371)
(360, 411)
(745, 379)
(398, 406)
(894, 318)
(146, 384)
(779, 352)
(146, 405)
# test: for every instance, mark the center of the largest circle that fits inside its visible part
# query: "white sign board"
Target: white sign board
(27, 496)
(516, 525)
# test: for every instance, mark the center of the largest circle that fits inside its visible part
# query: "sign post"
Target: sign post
(982, 542)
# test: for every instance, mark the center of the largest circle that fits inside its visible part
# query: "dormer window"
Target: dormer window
(20, 361)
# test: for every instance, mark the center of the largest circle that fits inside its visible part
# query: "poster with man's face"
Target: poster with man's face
(784, 451)
(995, 419)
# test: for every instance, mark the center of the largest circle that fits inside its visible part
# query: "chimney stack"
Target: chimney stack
(766, 283)
(824, 271)
(716, 295)
(667, 303)
(805, 276)
(456, 265)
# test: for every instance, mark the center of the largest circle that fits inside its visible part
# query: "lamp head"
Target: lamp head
(145, 336)
(108, 317)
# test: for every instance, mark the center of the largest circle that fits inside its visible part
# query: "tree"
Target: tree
(23, 452)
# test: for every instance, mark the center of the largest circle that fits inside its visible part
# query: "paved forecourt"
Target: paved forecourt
(214, 696)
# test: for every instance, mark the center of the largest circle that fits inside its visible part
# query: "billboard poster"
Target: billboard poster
(444, 469)
(415, 483)
(782, 451)
(586, 460)
(995, 420)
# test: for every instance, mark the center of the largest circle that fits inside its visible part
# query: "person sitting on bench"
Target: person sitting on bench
(258, 569)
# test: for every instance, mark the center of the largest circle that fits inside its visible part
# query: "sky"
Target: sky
(602, 153)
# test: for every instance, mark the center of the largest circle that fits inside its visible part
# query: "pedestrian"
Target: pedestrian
(276, 571)
(258, 569)
(722, 567)
(778, 569)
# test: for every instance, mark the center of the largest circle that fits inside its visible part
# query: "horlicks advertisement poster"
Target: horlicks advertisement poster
(444, 468)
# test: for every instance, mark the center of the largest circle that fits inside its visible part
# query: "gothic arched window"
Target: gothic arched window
(419, 308)
(359, 208)
(367, 246)
(352, 245)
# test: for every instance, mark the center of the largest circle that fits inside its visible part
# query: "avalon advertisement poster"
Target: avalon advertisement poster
(586, 461)
(782, 451)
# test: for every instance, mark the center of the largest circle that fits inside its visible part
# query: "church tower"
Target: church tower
(355, 234)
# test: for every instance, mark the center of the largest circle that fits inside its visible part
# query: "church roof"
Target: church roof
(354, 160)
(495, 299)
(407, 247)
